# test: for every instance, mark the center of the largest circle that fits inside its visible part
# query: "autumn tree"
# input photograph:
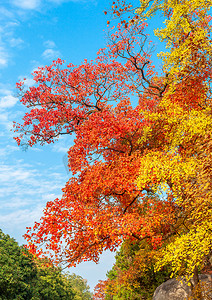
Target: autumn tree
(141, 171)
(185, 115)
(187, 108)
(101, 203)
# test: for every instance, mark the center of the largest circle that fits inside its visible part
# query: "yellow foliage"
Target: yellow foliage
(181, 166)
(188, 250)
(186, 33)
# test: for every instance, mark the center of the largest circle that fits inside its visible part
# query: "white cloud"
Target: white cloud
(60, 148)
(8, 101)
(3, 57)
(8, 150)
(3, 61)
(49, 44)
(29, 82)
(21, 218)
(58, 2)
(24, 193)
(21, 179)
(16, 42)
(11, 24)
(64, 143)
(5, 13)
(51, 54)
(4, 119)
(27, 4)
(8, 24)
(4, 90)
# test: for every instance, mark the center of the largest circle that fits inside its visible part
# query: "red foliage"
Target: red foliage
(101, 204)
(99, 291)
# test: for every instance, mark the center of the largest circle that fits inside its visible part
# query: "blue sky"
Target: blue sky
(32, 34)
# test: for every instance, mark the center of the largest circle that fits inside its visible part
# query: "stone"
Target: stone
(179, 290)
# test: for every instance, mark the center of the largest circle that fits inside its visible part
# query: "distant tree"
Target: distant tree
(79, 287)
(17, 270)
(50, 283)
(24, 277)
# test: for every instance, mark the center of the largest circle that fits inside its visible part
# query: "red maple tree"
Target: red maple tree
(101, 204)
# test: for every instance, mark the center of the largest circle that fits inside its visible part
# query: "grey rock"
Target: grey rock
(179, 290)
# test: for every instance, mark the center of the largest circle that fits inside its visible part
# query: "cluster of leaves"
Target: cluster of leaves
(133, 275)
(23, 277)
(141, 172)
